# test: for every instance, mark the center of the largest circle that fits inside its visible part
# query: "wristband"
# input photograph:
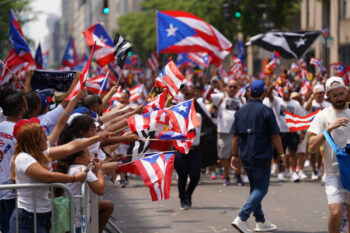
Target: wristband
(282, 155)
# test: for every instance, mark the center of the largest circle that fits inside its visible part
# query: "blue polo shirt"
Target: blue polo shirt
(255, 123)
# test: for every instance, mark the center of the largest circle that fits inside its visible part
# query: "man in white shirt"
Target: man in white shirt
(315, 102)
(335, 119)
(227, 104)
(15, 107)
(289, 140)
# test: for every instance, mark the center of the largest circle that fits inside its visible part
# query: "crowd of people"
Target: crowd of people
(47, 140)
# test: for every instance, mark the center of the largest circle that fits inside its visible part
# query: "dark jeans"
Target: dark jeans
(188, 165)
(259, 179)
(26, 221)
(6, 209)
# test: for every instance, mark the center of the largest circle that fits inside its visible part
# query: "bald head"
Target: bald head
(232, 88)
(91, 102)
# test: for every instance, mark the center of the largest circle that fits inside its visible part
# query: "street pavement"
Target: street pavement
(293, 207)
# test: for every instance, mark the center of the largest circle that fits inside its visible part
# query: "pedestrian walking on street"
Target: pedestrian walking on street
(254, 131)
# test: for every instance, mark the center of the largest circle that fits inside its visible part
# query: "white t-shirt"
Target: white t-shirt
(279, 106)
(341, 135)
(227, 109)
(50, 119)
(7, 150)
(2, 116)
(315, 106)
(76, 189)
(25, 196)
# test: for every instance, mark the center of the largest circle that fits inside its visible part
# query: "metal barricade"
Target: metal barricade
(35, 186)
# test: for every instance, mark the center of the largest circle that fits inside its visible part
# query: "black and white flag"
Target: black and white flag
(288, 44)
(121, 50)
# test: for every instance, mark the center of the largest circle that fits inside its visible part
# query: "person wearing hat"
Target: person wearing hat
(315, 102)
(335, 119)
(255, 130)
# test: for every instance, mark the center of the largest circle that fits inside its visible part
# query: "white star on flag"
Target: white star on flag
(300, 42)
(70, 52)
(182, 108)
(103, 39)
(171, 30)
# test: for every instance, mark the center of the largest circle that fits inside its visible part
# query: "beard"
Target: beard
(339, 104)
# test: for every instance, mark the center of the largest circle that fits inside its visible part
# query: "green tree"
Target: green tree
(5, 6)
(140, 27)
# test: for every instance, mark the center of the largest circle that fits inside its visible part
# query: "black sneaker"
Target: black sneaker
(239, 180)
(122, 183)
(189, 201)
(184, 205)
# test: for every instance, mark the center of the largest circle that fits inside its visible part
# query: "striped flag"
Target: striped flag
(136, 92)
(235, 69)
(305, 88)
(83, 77)
(98, 84)
(315, 62)
(157, 103)
(153, 62)
(297, 123)
(170, 78)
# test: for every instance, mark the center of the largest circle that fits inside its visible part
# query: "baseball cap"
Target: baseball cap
(332, 80)
(44, 100)
(318, 88)
(257, 87)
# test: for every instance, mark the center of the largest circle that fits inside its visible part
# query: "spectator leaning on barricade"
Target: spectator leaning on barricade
(255, 131)
(31, 164)
(15, 107)
(228, 104)
(335, 120)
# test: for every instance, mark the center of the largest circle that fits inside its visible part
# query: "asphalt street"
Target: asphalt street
(293, 207)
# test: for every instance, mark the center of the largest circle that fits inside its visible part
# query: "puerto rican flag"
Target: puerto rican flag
(38, 57)
(155, 120)
(305, 88)
(235, 70)
(170, 78)
(157, 103)
(297, 123)
(83, 77)
(18, 40)
(70, 57)
(98, 85)
(182, 60)
(14, 63)
(153, 62)
(201, 58)
(183, 32)
(136, 92)
(156, 172)
(104, 51)
(116, 96)
(339, 68)
(316, 62)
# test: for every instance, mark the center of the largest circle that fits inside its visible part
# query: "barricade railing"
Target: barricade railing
(34, 187)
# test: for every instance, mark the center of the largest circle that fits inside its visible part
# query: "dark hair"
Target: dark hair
(33, 101)
(256, 95)
(90, 101)
(4, 94)
(13, 103)
(78, 124)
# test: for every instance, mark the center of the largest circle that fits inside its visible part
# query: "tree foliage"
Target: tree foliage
(18, 7)
(140, 27)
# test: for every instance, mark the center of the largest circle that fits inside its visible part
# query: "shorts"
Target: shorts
(302, 146)
(224, 145)
(290, 141)
(335, 191)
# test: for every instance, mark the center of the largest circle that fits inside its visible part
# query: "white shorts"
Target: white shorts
(335, 191)
(302, 146)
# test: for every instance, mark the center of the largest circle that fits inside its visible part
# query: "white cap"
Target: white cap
(331, 80)
(318, 88)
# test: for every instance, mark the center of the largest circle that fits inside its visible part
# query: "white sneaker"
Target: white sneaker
(294, 177)
(266, 226)
(245, 179)
(323, 179)
(307, 163)
(302, 175)
(274, 168)
(280, 177)
(287, 173)
(240, 225)
(314, 176)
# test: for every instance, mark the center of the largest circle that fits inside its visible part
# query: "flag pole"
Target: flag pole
(120, 130)
(157, 139)
(5, 66)
(149, 94)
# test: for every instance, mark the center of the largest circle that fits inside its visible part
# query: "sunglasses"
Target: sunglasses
(234, 87)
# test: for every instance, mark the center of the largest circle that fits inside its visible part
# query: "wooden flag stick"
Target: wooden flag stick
(170, 151)
(5, 66)
(119, 130)
(157, 139)
(149, 94)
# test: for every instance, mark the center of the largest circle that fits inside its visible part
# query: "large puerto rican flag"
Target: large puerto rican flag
(183, 32)
(297, 123)
(104, 44)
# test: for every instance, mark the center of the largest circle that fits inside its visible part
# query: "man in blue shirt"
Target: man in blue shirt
(254, 131)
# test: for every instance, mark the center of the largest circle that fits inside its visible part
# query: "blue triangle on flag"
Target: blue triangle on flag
(152, 158)
(183, 108)
(171, 31)
(168, 156)
(101, 33)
